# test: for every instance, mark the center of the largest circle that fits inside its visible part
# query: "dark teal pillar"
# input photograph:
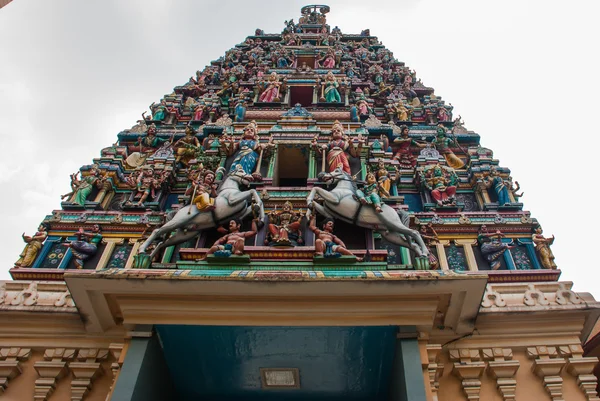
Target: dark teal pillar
(144, 375)
(407, 383)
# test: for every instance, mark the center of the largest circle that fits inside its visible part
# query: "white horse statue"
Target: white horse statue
(339, 203)
(230, 203)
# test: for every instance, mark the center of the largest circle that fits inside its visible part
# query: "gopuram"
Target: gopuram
(304, 218)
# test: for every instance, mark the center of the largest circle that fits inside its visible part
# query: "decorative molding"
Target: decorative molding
(116, 350)
(35, 296)
(10, 364)
(542, 295)
(434, 369)
(492, 298)
(85, 369)
(548, 366)
(51, 369)
(468, 367)
(503, 369)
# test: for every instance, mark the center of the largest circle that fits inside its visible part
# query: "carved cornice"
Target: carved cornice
(35, 296)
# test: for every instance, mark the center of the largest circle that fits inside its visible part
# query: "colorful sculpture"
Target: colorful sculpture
(491, 246)
(336, 149)
(82, 188)
(442, 144)
(34, 244)
(186, 147)
(404, 156)
(500, 186)
(246, 147)
(86, 244)
(369, 193)
(330, 91)
(284, 227)
(542, 247)
(327, 244)
(271, 93)
(441, 181)
(203, 190)
(233, 242)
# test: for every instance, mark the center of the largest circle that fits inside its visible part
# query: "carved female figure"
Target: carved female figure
(383, 179)
(336, 155)
(271, 94)
(500, 186)
(246, 149)
(34, 244)
(442, 144)
(442, 184)
(543, 249)
(283, 224)
(332, 95)
(83, 188)
(403, 155)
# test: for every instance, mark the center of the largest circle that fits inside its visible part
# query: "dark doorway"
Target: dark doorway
(292, 166)
(302, 95)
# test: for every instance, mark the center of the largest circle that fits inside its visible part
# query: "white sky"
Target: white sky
(523, 74)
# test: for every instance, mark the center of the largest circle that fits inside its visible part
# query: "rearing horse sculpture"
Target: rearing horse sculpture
(339, 203)
(188, 222)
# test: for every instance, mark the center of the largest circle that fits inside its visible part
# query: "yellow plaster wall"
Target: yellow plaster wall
(450, 386)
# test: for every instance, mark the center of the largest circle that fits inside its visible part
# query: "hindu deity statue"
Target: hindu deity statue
(240, 110)
(491, 246)
(146, 184)
(542, 247)
(82, 188)
(147, 145)
(368, 194)
(233, 242)
(246, 148)
(364, 110)
(284, 227)
(403, 155)
(442, 144)
(336, 149)
(500, 186)
(271, 93)
(186, 147)
(441, 181)
(402, 112)
(329, 60)
(86, 244)
(330, 91)
(203, 190)
(326, 243)
(33, 247)
(383, 179)
(159, 111)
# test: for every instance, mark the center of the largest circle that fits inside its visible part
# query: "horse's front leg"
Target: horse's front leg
(259, 202)
(326, 195)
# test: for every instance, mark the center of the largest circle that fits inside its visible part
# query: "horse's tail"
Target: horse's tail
(404, 217)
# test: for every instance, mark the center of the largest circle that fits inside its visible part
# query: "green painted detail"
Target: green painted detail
(405, 256)
(168, 254)
(312, 169)
(272, 162)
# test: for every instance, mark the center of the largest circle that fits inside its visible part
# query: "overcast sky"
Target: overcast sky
(523, 74)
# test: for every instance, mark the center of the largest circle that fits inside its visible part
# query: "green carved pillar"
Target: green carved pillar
(312, 164)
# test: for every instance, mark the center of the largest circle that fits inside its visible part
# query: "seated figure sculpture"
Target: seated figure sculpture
(327, 244)
(369, 193)
(284, 227)
(233, 242)
(441, 182)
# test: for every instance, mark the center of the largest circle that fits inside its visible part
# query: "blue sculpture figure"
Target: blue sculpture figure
(500, 186)
(246, 147)
(240, 111)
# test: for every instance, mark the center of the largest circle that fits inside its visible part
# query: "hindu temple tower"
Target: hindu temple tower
(304, 218)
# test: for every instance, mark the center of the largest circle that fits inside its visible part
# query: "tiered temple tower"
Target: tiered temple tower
(304, 218)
